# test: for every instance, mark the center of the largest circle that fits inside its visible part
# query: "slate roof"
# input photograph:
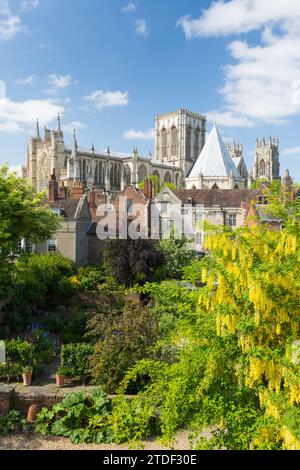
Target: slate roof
(69, 206)
(214, 159)
(217, 197)
(264, 214)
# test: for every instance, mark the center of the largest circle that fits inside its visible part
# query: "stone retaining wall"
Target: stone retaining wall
(20, 398)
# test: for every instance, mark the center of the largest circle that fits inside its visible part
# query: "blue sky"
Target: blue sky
(109, 66)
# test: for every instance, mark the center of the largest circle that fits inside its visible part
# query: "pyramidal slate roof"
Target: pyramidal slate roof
(214, 160)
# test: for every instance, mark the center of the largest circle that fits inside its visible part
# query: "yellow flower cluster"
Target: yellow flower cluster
(273, 372)
(226, 324)
(290, 441)
(294, 393)
(245, 342)
(258, 297)
(287, 245)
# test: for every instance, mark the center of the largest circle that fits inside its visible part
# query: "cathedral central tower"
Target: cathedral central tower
(179, 138)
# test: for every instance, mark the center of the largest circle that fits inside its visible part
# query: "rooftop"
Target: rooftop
(217, 197)
(214, 159)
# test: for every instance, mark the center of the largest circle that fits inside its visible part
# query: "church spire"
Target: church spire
(74, 146)
(74, 139)
(58, 123)
(37, 130)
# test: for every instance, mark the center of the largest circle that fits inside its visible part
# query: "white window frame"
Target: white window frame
(51, 243)
(230, 217)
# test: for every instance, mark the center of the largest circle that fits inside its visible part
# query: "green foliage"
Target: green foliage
(73, 327)
(19, 354)
(13, 422)
(177, 255)
(168, 185)
(155, 182)
(170, 302)
(157, 185)
(89, 277)
(44, 350)
(131, 420)
(39, 278)
(38, 281)
(121, 338)
(133, 261)
(22, 216)
(75, 359)
(81, 417)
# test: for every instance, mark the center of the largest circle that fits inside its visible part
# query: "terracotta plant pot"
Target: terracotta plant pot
(32, 412)
(27, 377)
(60, 380)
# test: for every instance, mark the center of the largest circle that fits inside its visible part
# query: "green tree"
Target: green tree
(22, 215)
(177, 255)
(133, 261)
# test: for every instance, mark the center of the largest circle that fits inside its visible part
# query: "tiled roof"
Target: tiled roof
(216, 197)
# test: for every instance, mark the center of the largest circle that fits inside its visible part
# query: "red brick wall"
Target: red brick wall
(6, 392)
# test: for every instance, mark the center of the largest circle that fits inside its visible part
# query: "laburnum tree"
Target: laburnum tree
(22, 215)
(237, 370)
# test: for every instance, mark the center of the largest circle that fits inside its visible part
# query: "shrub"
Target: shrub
(19, 354)
(75, 360)
(11, 423)
(89, 277)
(177, 255)
(81, 417)
(73, 328)
(121, 338)
(133, 261)
(43, 277)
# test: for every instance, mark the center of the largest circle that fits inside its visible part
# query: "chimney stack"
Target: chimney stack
(287, 182)
(148, 189)
(77, 190)
(63, 191)
(53, 188)
(93, 199)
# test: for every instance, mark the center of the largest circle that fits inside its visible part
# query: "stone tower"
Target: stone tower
(43, 156)
(266, 163)
(179, 138)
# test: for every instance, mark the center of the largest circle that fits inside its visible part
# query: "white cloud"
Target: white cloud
(27, 5)
(239, 16)
(78, 125)
(291, 151)
(10, 127)
(130, 7)
(59, 83)
(16, 115)
(141, 28)
(263, 83)
(132, 134)
(100, 99)
(10, 24)
(30, 80)
(228, 119)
